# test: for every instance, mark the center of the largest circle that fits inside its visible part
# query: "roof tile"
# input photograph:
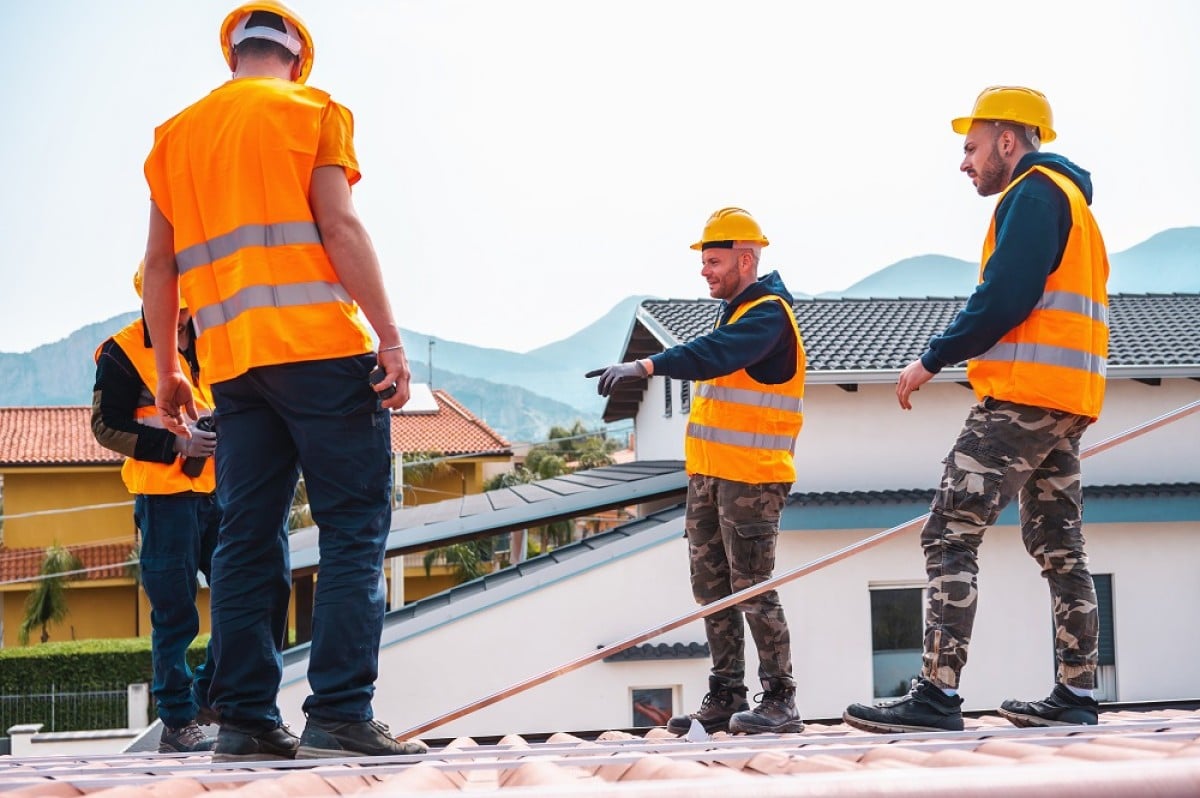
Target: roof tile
(101, 560)
(451, 430)
(35, 436)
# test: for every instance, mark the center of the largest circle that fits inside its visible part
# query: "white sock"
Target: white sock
(1080, 692)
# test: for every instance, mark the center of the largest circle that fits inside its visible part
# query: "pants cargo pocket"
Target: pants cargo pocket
(754, 547)
(970, 486)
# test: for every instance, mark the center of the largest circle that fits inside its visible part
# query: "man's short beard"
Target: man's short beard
(993, 173)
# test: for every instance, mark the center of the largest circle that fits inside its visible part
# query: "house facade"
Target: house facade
(863, 466)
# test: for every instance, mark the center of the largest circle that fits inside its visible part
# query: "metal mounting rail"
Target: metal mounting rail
(755, 590)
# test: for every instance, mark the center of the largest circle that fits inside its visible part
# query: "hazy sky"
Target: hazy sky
(529, 163)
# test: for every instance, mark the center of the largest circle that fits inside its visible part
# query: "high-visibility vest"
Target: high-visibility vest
(231, 173)
(1057, 357)
(744, 430)
(141, 476)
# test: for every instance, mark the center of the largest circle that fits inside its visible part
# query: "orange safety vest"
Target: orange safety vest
(1057, 357)
(744, 430)
(150, 478)
(231, 173)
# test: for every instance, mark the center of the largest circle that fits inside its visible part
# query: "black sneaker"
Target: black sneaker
(241, 744)
(326, 739)
(925, 708)
(720, 703)
(1062, 708)
(187, 739)
(775, 714)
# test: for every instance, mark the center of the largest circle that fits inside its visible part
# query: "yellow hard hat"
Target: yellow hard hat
(139, 276)
(1011, 104)
(296, 38)
(728, 225)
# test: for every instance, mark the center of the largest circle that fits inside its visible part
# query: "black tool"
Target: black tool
(377, 376)
(192, 466)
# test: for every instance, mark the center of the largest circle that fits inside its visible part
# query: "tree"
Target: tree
(47, 603)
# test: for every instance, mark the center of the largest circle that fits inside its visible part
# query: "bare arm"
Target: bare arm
(353, 256)
(160, 303)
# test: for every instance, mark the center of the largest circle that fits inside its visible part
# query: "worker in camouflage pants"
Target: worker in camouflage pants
(731, 530)
(747, 410)
(1034, 336)
(1005, 450)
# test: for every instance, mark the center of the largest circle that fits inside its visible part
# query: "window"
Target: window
(897, 625)
(652, 706)
(1106, 668)
(666, 397)
(685, 396)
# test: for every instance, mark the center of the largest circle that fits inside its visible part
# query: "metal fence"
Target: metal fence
(59, 711)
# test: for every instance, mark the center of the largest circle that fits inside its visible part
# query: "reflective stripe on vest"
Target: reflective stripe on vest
(1056, 357)
(144, 476)
(743, 396)
(232, 175)
(744, 430)
(250, 235)
(267, 296)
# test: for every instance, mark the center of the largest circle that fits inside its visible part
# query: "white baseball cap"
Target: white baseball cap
(259, 25)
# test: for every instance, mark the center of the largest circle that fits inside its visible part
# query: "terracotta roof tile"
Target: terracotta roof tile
(451, 430)
(101, 560)
(34, 436)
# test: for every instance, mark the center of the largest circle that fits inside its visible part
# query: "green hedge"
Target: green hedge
(27, 674)
(82, 664)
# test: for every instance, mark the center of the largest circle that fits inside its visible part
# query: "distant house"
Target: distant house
(863, 466)
(61, 487)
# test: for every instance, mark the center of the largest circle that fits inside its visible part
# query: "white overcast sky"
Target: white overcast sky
(529, 163)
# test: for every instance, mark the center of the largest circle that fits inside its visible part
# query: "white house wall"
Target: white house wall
(856, 441)
(1155, 590)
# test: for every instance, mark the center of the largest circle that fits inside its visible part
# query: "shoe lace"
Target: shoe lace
(189, 734)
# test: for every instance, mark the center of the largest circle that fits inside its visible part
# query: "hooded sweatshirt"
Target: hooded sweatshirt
(761, 341)
(1032, 224)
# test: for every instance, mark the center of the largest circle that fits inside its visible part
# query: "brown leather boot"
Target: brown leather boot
(722, 701)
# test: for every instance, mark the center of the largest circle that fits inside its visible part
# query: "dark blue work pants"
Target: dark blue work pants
(273, 421)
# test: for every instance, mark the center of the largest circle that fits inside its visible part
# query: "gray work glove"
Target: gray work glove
(201, 444)
(610, 376)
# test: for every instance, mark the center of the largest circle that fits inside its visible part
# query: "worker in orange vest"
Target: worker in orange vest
(175, 510)
(1035, 337)
(252, 219)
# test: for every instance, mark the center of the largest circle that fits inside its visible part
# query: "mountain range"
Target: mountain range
(521, 395)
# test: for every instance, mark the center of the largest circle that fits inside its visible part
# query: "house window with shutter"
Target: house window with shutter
(666, 397)
(685, 396)
(897, 622)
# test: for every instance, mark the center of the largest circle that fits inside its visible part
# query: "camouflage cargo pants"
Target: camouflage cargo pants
(1007, 450)
(731, 530)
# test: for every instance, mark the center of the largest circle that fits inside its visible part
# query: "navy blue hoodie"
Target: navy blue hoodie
(1032, 224)
(761, 341)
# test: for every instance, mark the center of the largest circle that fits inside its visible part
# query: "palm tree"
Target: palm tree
(47, 603)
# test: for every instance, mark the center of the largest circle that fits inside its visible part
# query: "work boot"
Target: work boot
(188, 738)
(775, 714)
(238, 743)
(327, 739)
(1062, 708)
(723, 699)
(925, 708)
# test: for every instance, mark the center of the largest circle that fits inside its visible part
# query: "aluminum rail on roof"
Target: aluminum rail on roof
(755, 590)
(495, 512)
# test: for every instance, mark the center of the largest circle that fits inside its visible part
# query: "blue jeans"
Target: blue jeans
(179, 533)
(273, 421)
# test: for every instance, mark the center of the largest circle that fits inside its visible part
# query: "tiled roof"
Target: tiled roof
(100, 560)
(1131, 752)
(451, 430)
(661, 651)
(60, 436)
(887, 334)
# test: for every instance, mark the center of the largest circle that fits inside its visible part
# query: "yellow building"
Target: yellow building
(60, 487)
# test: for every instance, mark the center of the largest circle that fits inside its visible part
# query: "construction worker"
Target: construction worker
(252, 219)
(741, 433)
(176, 514)
(1035, 335)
